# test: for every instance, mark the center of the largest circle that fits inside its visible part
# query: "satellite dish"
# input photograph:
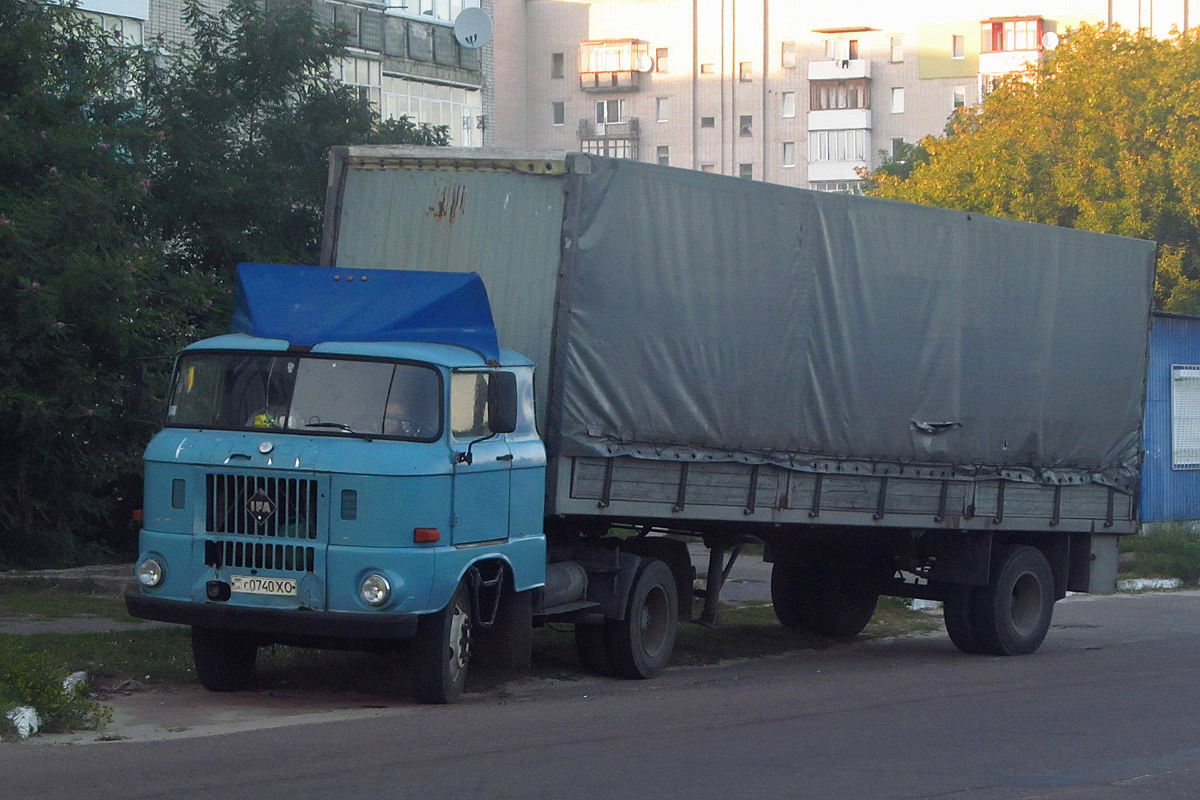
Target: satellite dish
(1049, 40)
(473, 27)
(645, 63)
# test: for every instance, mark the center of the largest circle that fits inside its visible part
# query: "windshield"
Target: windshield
(310, 394)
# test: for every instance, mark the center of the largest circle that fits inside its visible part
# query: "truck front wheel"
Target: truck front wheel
(441, 651)
(224, 659)
(640, 645)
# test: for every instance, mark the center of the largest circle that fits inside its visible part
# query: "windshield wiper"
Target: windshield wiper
(340, 426)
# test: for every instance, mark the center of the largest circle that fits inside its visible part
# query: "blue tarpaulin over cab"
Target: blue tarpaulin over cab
(308, 305)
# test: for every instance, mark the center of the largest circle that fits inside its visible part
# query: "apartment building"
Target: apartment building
(780, 92)
(403, 57)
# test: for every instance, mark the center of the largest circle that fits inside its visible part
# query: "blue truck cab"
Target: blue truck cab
(355, 465)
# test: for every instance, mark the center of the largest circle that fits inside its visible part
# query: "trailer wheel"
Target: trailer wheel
(824, 597)
(224, 660)
(958, 614)
(786, 596)
(1012, 614)
(640, 645)
(441, 651)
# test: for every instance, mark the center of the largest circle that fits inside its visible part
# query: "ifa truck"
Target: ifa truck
(891, 399)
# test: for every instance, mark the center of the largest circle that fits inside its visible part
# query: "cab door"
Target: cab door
(483, 464)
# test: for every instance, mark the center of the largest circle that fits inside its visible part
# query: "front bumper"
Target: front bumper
(276, 624)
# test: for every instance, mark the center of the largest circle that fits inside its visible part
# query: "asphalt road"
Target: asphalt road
(1107, 708)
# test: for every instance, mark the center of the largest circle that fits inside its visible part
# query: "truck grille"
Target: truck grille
(260, 555)
(261, 506)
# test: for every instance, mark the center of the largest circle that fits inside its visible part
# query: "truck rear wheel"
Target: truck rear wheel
(824, 597)
(958, 614)
(224, 660)
(441, 651)
(640, 645)
(1011, 615)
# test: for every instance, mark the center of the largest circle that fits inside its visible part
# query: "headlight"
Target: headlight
(150, 573)
(375, 589)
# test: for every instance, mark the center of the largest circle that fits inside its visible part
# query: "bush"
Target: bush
(36, 679)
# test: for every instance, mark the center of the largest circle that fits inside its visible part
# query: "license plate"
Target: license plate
(247, 584)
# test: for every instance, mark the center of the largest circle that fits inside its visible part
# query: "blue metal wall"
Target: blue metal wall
(1167, 494)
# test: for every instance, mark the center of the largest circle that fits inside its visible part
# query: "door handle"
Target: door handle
(505, 457)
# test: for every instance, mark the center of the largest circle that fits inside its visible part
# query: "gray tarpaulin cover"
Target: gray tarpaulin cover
(755, 322)
(688, 315)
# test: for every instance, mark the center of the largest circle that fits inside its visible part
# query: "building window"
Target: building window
(708, 167)
(664, 155)
(662, 107)
(556, 65)
(787, 57)
(745, 71)
(708, 122)
(128, 29)
(446, 10)
(610, 111)
(789, 154)
(746, 125)
(660, 60)
(960, 96)
(897, 49)
(897, 146)
(364, 75)
(958, 46)
(838, 145)
(843, 187)
(746, 171)
(825, 95)
(897, 99)
(1185, 417)
(559, 109)
(788, 103)
(707, 69)
(459, 109)
(1007, 35)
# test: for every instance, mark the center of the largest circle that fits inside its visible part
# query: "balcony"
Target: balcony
(839, 69)
(1006, 61)
(618, 81)
(616, 139)
(840, 119)
(613, 65)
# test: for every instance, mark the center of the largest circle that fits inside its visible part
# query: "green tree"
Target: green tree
(132, 183)
(248, 111)
(86, 312)
(1101, 137)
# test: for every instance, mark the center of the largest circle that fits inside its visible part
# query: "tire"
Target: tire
(822, 596)
(1012, 614)
(441, 651)
(508, 644)
(592, 647)
(957, 612)
(640, 645)
(224, 660)
(786, 596)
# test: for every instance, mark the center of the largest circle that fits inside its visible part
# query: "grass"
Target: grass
(162, 656)
(1168, 551)
(35, 598)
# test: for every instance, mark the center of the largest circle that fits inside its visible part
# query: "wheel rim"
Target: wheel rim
(1026, 608)
(460, 641)
(652, 622)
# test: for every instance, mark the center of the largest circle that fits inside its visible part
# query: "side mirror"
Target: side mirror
(502, 402)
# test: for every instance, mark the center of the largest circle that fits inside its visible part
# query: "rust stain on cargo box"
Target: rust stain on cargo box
(451, 201)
